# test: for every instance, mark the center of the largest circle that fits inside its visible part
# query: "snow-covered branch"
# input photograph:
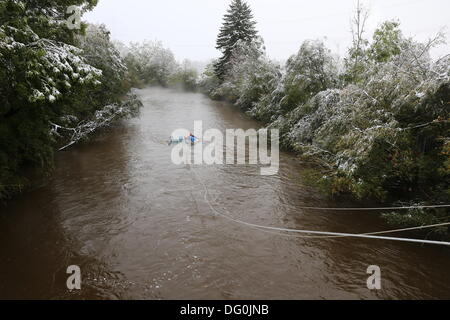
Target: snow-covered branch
(102, 118)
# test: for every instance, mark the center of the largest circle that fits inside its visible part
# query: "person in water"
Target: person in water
(191, 137)
(187, 138)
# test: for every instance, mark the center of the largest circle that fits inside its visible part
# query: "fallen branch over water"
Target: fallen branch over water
(102, 118)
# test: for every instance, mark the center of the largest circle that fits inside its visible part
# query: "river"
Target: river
(140, 227)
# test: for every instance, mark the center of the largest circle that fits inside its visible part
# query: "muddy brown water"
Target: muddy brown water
(139, 227)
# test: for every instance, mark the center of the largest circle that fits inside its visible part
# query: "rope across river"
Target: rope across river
(325, 234)
(378, 209)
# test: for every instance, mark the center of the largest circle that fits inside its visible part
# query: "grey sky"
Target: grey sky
(189, 27)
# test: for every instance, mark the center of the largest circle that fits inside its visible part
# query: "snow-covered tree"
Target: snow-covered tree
(238, 26)
(45, 77)
(38, 70)
(311, 70)
(387, 42)
(100, 52)
(209, 82)
(383, 134)
(185, 76)
(376, 125)
(251, 75)
(151, 63)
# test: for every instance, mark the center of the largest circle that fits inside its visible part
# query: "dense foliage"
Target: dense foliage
(54, 79)
(150, 63)
(376, 123)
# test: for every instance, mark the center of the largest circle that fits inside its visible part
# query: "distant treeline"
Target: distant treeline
(149, 63)
(375, 124)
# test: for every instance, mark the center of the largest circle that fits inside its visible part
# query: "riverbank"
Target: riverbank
(139, 227)
(381, 131)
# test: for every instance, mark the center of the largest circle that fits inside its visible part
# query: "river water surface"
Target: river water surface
(140, 227)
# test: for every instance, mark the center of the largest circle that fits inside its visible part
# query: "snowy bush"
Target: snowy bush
(185, 77)
(100, 52)
(372, 132)
(251, 75)
(311, 70)
(51, 67)
(151, 63)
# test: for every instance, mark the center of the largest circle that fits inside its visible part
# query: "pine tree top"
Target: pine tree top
(238, 25)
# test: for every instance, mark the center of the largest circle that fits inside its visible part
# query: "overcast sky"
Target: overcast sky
(189, 27)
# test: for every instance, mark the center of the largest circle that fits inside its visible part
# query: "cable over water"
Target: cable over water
(325, 233)
(435, 206)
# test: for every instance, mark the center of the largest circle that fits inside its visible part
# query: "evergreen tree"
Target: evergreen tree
(238, 25)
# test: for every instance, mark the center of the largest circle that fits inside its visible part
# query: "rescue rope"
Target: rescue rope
(324, 233)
